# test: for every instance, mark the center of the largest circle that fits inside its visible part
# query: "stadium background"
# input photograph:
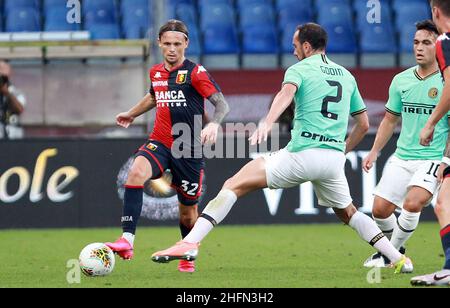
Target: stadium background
(78, 76)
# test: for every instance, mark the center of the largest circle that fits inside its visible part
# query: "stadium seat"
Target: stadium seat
(202, 3)
(194, 48)
(51, 4)
(187, 13)
(213, 15)
(298, 15)
(342, 38)
(15, 4)
(136, 20)
(220, 40)
(100, 16)
(56, 20)
(104, 31)
(397, 5)
(259, 40)
(363, 5)
(378, 38)
(411, 13)
(286, 37)
(107, 5)
(293, 4)
(23, 20)
(261, 14)
(407, 34)
(242, 4)
(335, 12)
(323, 3)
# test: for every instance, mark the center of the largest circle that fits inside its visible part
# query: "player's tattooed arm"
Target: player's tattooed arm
(221, 107)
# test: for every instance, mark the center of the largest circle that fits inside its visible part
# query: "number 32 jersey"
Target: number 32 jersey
(327, 94)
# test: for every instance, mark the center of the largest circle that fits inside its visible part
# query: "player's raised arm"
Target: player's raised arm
(125, 119)
(282, 100)
(209, 134)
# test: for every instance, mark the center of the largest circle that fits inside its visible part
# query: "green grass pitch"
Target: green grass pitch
(290, 256)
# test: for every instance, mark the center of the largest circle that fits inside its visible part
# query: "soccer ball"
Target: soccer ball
(97, 260)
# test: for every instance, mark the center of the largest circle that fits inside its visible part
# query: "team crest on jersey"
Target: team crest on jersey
(181, 77)
(152, 147)
(433, 93)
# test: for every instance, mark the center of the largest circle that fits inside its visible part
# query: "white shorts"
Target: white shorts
(323, 167)
(400, 175)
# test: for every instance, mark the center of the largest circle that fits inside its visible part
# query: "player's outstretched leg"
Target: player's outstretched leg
(251, 177)
(369, 231)
(134, 189)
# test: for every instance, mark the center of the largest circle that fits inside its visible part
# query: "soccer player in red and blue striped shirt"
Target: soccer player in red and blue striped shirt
(178, 91)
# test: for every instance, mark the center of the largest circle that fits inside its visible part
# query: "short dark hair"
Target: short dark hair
(313, 34)
(174, 25)
(444, 5)
(427, 25)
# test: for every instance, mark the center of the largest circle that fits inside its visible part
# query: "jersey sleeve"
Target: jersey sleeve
(394, 104)
(203, 82)
(443, 51)
(293, 76)
(357, 105)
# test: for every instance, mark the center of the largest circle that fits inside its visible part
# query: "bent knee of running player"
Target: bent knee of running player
(250, 178)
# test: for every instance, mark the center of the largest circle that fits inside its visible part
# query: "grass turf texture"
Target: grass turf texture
(231, 257)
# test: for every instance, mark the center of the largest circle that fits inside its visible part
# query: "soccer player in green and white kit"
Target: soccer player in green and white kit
(325, 95)
(409, 179)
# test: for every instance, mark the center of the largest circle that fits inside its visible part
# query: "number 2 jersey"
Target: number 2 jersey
(180, 103)
(327, 94)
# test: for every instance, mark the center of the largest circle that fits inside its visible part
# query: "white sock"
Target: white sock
(129, 237)
(201, 229)
(387, 225)
(214, 213)
(369, 231)
(406, 225)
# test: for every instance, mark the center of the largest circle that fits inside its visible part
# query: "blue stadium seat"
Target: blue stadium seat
(15, 4)
(133, 32)
(298, 15)
(324, 3)
(241, 4)
(51, 4)
(202, 3)
(100, 16)
(411, 13)
(107, 5)
(261, 14)
(397, 5)
(407, 34)
(56, 20)
(220, 40)
(104, 31)
(378, 38)
(194, 48)
(286, 37)
(335, 12)
(187, 13)
(341, 38)
(293, 4)
(135, 20)
(259, 40)
(220, 14)
(23, 20)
